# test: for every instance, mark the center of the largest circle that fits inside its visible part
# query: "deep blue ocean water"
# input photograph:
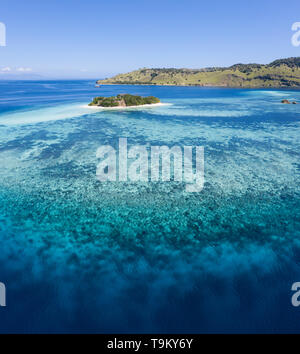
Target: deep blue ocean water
(78, 255)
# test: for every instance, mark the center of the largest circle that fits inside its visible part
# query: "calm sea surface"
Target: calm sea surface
(78, 255)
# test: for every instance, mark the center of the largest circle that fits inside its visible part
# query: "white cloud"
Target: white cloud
(21, 69)
(5, 69)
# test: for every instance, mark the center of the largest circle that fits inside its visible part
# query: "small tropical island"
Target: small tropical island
(288, 102)
(124, 100)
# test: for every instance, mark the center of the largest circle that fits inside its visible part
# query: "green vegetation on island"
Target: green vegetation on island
(279, 73)
(123, 100)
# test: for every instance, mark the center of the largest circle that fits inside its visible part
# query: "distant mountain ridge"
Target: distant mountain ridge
(279, 73)
(16, 76)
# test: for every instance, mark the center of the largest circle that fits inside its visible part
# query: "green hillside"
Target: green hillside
(279, 73)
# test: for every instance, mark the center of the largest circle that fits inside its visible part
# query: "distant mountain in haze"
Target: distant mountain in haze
(20, 76)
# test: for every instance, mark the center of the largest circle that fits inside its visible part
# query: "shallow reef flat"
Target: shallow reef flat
(149, 253)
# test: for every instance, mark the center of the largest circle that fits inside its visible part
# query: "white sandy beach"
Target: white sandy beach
(128, 107)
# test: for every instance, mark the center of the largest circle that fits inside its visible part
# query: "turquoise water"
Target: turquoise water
(78, 255)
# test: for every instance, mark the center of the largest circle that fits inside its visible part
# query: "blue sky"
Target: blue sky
(95, 38)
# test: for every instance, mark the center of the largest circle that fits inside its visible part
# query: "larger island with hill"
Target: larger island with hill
(279, 73)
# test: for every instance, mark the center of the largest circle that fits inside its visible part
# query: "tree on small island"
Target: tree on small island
(123, 100)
